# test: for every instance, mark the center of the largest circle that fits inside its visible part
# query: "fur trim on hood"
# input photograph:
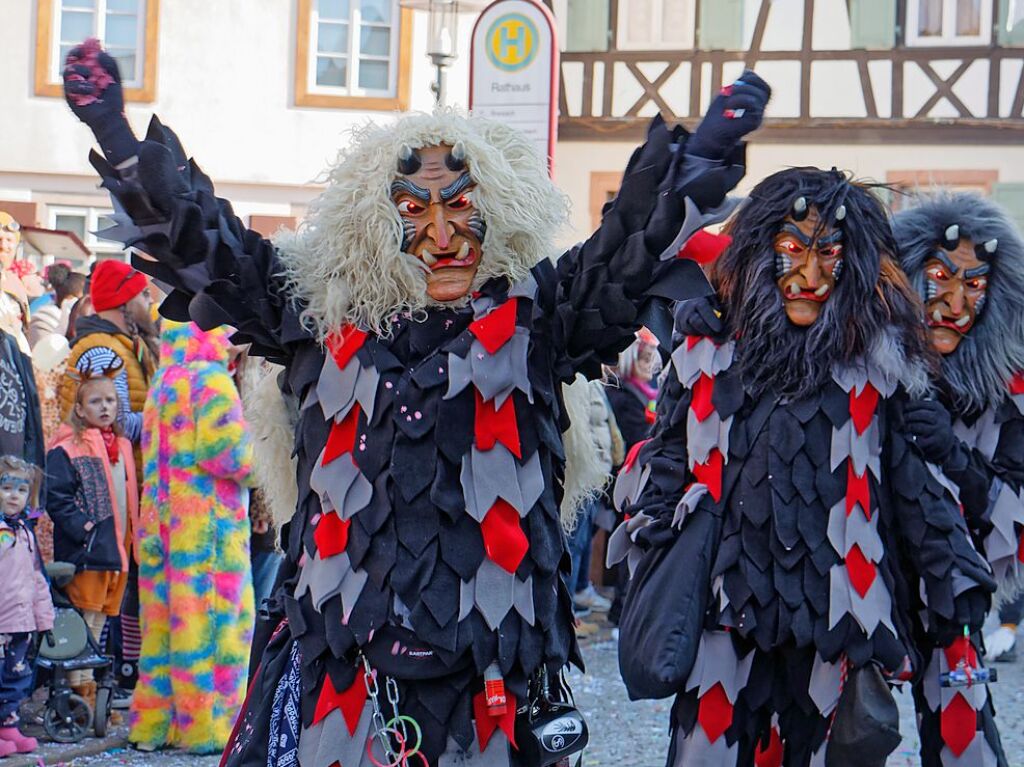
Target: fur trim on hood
(979, 370)
(345, 264)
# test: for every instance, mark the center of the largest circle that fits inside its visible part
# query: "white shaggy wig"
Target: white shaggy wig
(345, 263)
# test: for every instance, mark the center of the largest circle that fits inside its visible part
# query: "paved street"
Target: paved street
(634, 734)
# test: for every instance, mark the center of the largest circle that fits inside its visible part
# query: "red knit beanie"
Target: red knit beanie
(115, 283)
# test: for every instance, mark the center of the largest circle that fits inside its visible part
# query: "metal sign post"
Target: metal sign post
(513, 76)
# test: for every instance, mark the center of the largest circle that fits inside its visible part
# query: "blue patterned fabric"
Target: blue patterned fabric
(285, 716)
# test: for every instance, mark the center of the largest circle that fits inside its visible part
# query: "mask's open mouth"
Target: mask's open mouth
(959, 325)
(794, 292)
(464, 256)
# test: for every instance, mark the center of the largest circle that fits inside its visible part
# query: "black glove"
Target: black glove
(969, 609)
(930, 428)
(92, 88)
(657, 534)
(699, 317)
(736, 111)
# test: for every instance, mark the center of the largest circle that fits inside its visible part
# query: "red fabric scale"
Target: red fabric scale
(343, 436)
(493, 425)
(710, 473)
(331, 534)
(714, 712)
(770, 755)
(494, 330)
(700, 403)
(504, 540)
(344, 343)
(350, 701)
(859, 568)
(487, 724)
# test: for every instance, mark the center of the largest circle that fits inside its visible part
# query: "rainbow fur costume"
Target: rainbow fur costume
(195, 580)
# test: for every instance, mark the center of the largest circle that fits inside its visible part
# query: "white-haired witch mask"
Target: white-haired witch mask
(442, 228)
(956, 280)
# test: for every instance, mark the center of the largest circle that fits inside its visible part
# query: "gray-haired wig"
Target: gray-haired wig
(345, 263)
(980, 368)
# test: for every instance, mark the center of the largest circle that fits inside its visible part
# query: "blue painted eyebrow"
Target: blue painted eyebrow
(977, 271)
(794, 230)
(829, 239)
(401, 185)
(457, 187)
(940, 256)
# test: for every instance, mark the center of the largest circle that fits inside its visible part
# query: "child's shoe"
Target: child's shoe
(87, 691)
(7, 748)
(22, 743)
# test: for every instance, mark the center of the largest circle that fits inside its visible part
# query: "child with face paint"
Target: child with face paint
(25, 605)
(92, 497)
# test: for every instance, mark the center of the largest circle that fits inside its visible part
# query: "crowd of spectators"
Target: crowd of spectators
(131, 435)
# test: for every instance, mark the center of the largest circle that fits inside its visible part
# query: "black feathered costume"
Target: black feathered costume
(778, 454)
(427, 540)
(982, 446)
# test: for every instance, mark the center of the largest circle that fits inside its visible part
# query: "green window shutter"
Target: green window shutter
(872, 23)
(721, 25)
(1011, 197)
(1015, 34)
(587, 25)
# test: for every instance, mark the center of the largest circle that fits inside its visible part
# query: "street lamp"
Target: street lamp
(443, 34)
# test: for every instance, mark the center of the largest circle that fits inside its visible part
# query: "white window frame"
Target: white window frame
(353, 55)
(948, 36)
(92, 223)
(99, 23)
(655, 40)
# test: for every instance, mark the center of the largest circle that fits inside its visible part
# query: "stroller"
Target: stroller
(67, 718)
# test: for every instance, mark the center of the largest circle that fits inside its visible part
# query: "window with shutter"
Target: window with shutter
(587, 25)
(1011, 196)
(872, 24)
(721, 25)
(1010, 30)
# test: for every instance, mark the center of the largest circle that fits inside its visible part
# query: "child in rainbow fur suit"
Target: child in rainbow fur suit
(194, 577)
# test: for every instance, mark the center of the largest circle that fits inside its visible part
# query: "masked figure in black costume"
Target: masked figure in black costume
(966, 259)
(425, 334)
(779, 460)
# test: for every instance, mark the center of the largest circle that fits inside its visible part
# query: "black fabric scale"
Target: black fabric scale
(415, 539)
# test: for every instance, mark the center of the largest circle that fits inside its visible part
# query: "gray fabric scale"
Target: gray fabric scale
(825, 684)
(716, 663)
(496, 375)
(705, 357)
(1001, 545)
(342, 484)
(694, 750)
(703, 436)
(328, 742)
(863, 449)
(844, 531)
(874, 609)
(491, 474)
(495, 755)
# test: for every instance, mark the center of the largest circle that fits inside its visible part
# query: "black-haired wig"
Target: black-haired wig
(872, 311)
(978, 371)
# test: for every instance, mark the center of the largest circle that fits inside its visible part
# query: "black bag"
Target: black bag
(866, 728)
(549, 729)
(663, 613)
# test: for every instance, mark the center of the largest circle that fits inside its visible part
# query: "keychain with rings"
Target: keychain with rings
(394, 730)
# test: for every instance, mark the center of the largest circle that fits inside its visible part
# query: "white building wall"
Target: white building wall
(225, 84)
(576, 160)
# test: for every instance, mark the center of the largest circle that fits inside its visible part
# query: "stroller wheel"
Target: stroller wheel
(102, 713)
(69, 725)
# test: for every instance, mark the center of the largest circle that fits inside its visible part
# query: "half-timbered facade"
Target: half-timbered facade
(911, 92)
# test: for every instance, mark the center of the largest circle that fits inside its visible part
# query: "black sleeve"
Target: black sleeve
(61, 488)
(928, 521)
(627, 273)
(975, 475)
(221, 272)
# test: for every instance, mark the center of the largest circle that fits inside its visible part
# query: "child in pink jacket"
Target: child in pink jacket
(25, 606)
